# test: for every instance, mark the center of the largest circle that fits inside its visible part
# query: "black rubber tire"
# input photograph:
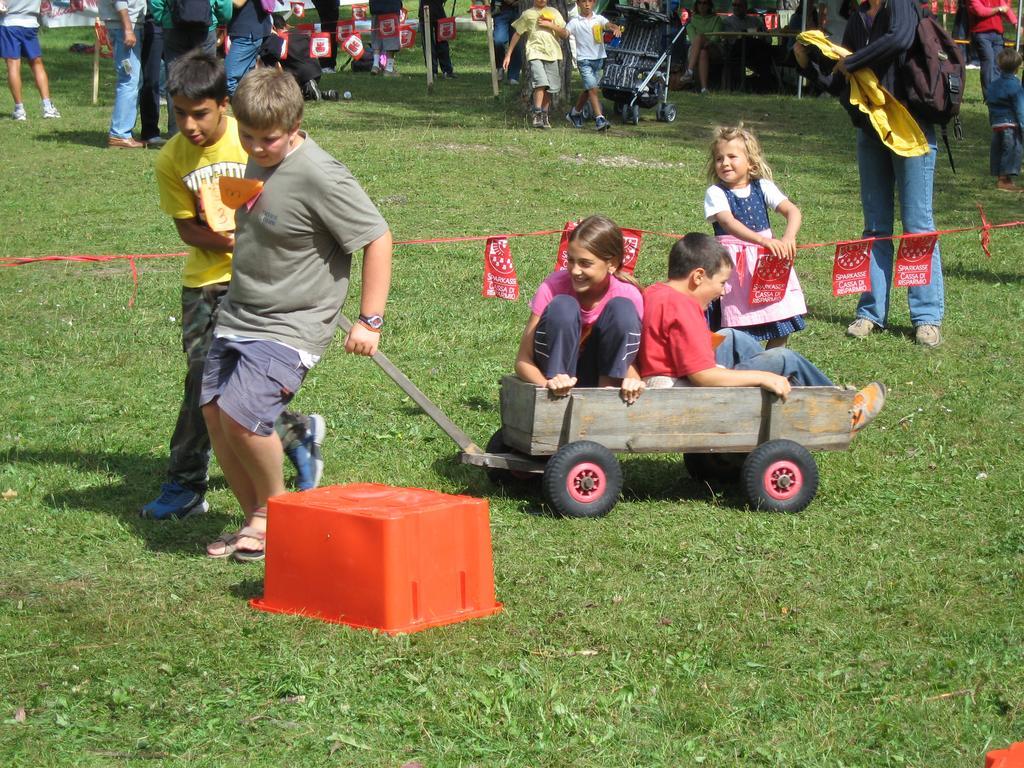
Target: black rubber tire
(714, 467)
(780, 476)
(582, 479)
(668, 113)
(504, 476)
(634, 115)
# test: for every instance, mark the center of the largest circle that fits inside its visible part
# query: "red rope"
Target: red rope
(984, 230)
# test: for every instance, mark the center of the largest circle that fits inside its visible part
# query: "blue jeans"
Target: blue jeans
(502, 35)
(241, 58)
(741, 352)
(989, 44)
(881, 173)
(128, 64)
(1005, 153)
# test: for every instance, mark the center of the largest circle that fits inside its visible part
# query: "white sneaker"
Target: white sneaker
(19, 114)
(50, 112)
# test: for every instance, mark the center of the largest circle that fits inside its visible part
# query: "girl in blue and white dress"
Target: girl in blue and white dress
(737, 204)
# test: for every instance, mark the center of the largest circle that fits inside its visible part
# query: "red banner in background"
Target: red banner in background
(631, 240)
(353, 45)
(851, 271)
(387, 25)
(359, 12)
(914, 261)
(478, 12)
(406, 36)
(499, 272)
(562, 258)
(298, 10)
(445, 30)
(319, 45)
(771, 277)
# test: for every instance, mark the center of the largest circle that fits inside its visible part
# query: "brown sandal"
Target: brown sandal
(245, 554)
(227, 544)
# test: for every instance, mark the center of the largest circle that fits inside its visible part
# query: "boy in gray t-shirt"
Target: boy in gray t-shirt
(294, 239)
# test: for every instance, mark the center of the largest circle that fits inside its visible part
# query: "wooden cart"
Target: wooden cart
(730, 433)
(742, 433)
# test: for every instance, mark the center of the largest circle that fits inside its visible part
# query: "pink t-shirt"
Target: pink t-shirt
(560, 284)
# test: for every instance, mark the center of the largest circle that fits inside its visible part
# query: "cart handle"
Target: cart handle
(425, 403)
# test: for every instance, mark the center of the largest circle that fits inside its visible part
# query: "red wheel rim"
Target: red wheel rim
(783, 480)
(586, 483)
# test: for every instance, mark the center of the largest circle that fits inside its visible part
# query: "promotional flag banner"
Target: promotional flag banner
(298, 10)
(851, 271)
(562, 258)
(387, 25)
(499, 271)
(353, 45)
(478, 12)
(406, 36)
(345, 28)
(445, 30)
(771, 276)
(631, 239)
(320, 45)
(914, 261)
(359, 12)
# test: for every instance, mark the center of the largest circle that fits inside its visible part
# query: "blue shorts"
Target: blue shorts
(20, 43)
(253, 379)
(590, 71)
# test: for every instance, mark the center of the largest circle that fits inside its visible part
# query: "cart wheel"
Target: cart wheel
(582, 479)
(634, 115)
(587, 111)
(723, 467)
(503, 476)
(780, 476)
(667, 113)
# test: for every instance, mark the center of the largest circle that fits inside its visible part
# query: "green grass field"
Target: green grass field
(881, 627)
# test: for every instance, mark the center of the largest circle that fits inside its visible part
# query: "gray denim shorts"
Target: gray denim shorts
(252, 380)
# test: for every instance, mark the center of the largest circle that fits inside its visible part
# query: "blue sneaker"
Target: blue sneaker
(309, 463)
(175, 502)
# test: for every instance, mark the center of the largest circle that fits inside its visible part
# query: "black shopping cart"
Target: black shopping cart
(636, 71)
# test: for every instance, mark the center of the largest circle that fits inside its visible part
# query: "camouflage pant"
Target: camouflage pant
(190, 443)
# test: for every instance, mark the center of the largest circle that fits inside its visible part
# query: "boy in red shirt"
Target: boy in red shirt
(677, 349)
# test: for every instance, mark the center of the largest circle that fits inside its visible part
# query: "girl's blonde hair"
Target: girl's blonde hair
(758, 166)
(603, 238)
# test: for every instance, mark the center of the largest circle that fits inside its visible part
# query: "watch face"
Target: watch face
(374, 321)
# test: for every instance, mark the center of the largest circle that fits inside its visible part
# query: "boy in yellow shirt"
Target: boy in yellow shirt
(187, 171)
(546, 30)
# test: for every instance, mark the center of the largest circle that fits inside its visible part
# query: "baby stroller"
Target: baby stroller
(636, 72)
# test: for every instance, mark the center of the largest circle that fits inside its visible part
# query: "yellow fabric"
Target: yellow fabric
(182, 169)
(541, 44)
(895, 126)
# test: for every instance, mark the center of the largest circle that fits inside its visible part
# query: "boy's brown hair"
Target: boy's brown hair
(268, 98)
(697, 251)
(1009, 60)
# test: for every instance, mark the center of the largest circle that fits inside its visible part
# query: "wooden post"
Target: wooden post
(428, 39)
(96, 66)
(490, 53)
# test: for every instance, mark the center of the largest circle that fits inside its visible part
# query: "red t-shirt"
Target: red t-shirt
(676, 340)
(993, 23)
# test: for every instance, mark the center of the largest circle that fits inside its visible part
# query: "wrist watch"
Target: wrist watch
(372, 322)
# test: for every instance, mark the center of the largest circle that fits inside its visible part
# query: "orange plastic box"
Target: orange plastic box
(374, 556)
(1013, 757)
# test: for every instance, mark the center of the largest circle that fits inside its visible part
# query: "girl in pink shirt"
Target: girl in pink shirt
(584, 326)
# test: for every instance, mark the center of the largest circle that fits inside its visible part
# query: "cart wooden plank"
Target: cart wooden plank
(683, 419)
